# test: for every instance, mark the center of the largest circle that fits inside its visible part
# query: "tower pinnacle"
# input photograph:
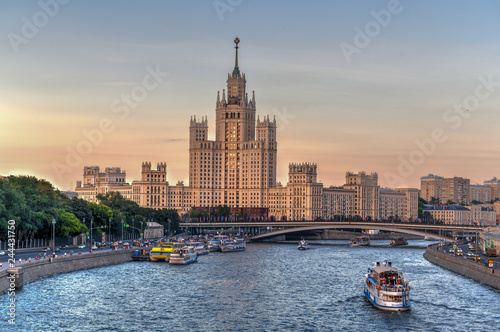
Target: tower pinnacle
(236, 71)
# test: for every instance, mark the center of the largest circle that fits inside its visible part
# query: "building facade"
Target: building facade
(466, 215)
(431, 186)
(481, 193)
(239, 169)
(494, 184)
(456, 189)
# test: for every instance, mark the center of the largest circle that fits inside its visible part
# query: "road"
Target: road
(26, 254)
(448, 249)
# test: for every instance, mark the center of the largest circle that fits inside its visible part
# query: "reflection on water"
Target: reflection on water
(269, 287)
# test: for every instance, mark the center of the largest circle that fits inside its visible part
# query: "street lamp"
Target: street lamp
(133, 228)
(53, 235)
(109, 230)
(122, 230)
(91, 238)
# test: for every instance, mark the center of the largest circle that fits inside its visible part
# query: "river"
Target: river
(268, 287)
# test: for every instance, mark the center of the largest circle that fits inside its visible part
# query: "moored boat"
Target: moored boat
(399, 242)
(233, 245)
(163, 251)
(183, 256)
(360, 241)
(303, 245)
(386, 288)
(215, 242)
(200, 248)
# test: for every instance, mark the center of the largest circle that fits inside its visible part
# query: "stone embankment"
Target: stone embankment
(470, 269)
(27, 272)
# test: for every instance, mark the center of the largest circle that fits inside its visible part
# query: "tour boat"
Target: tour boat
(399, 242)
(183, 256)
(303, 245)
(214, 243)
(360, 241)
(200, 248)
(163, 251)
(386, 288)
(233, 245)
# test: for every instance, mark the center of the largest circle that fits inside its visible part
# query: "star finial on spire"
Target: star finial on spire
(236, 71)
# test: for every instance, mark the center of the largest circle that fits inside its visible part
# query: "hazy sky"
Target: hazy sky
(402, 88)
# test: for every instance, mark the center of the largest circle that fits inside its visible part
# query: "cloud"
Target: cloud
(172, 140)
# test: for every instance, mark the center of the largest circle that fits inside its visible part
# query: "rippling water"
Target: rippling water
(269, 287)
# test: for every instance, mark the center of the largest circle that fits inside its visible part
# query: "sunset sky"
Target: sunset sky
(402, 88)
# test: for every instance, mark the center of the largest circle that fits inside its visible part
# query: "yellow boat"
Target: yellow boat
(163, 251)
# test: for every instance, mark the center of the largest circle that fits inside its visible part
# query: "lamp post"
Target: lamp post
(109, 230)
(169, 221)
(133, 228)
(84, 224)
(122, 230)
(53, 235)
(91, 238)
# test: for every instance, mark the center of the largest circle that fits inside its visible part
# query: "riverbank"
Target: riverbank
(470, 269)
(28, 272)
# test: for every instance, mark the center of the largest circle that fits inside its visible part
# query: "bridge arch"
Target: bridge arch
(350, 226)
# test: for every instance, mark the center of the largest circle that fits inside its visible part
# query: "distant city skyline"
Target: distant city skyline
(400, 88)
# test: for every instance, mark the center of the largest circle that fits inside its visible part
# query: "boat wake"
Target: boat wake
(438, 305)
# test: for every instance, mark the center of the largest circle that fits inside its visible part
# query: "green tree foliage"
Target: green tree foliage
(34, 203)
(421, 206)
(434, 201)
(68, 225)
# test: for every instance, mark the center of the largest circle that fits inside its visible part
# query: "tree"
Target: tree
(450, 202)
(69, 225)
(475, 202)
(421, 206)
(435, 201)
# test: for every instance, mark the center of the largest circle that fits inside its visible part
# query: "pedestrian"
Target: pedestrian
(20, 261)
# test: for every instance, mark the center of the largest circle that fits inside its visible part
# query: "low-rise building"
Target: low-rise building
(154, 230)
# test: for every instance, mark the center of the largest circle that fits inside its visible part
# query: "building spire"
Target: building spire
(236, 71)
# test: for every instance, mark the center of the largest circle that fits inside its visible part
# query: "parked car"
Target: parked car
(94, 247)
(57, 250)
(65, 246)
(45, 249)
(126, 244)
(2, 252)
(81, 246)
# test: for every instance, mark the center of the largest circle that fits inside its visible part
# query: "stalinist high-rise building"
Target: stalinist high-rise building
(238, 169)
(240, 164)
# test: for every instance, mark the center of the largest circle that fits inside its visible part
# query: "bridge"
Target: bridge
(265, 230)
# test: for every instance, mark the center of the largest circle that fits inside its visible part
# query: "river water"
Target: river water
(268, 287)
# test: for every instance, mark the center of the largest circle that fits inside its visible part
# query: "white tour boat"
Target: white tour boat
(237, 244)
(200, 248)
(386, 288)
(215, 242)
(183, 256)
(303, 245)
